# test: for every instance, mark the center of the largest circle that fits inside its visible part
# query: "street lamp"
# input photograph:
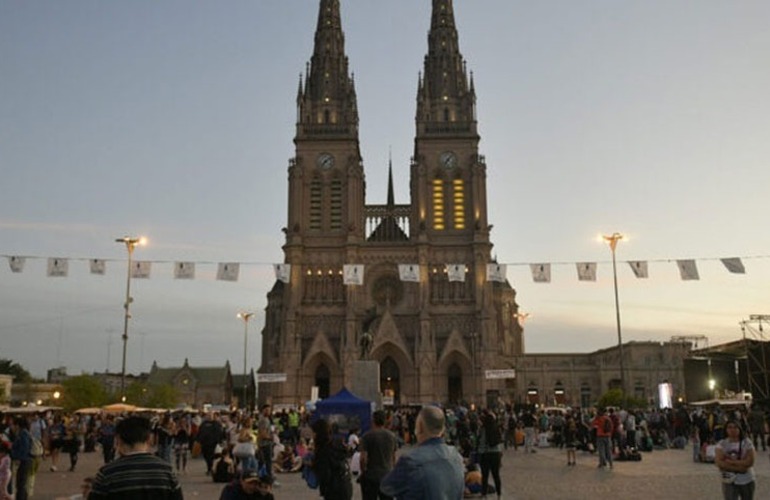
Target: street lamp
(613, 241)
(130, 243)
(245, 316)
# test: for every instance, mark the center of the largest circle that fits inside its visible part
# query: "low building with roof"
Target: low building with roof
(196, 386)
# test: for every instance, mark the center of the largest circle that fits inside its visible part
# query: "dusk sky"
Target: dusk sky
(175, 119)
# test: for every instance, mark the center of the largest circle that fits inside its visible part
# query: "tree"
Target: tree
(152, 396)
(81, 392)
(616, 398)
(9, 367)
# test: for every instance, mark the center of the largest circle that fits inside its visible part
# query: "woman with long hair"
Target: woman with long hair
(330, 464)
(490, 452)
(735, 459)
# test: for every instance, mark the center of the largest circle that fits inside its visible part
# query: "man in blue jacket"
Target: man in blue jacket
(432, 470)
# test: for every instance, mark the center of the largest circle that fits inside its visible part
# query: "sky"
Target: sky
(175, 119)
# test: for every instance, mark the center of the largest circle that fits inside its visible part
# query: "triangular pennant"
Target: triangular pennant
(184, 270)
(496, 272)
(734, 265)
(282, 272)
(586, 271)
(688, 270)
(98, 266)
(16, 263)
(639, 267)
(228, 271)
(57, 268)
(141, 269)
(455, 272)
(353, 274)
(541, 273)
(409, 272)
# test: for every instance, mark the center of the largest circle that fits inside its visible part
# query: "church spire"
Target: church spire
(391, 197)
(445, 100)
(327, 105)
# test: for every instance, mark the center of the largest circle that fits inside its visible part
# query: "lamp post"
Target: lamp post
(245, 316)
(130, 243)
(613, 241)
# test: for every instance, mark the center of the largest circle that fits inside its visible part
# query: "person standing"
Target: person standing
(378, 455)
(432, 470)
(604, 430)
(528, 420)
(330, 464)
(490, 452)
(735, 459)
(136, 473)
(210, 434)
(265, 439)
(21, 450)
(107, 439)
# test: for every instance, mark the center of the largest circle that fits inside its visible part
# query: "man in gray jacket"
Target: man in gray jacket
(432, 470)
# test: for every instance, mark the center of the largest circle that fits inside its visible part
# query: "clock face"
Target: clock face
(325, 161)
(448, 159)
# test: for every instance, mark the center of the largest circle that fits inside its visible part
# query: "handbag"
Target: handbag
(244, 449)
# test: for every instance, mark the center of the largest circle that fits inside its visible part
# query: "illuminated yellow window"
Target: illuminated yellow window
(458, 197)
(438, 204)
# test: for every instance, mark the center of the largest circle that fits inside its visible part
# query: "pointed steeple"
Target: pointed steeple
(445, 100)
(327, 105)
(391, 197)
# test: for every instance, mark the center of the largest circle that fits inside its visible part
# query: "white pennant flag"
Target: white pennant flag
(586, 271)
(16, 263)
(541, 273)
(98, 266)
(184, 270)
(141, 269)
(353, 274)
(687, 269)
(639, 267)
(734, 265)
(57, 268)
(228, 271)
(409, 272)
(496, 272)
(455, 272)
(282, 272)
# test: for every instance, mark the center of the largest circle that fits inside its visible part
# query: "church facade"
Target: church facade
(434, 334)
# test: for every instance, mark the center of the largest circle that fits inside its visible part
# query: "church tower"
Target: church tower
(433, 332)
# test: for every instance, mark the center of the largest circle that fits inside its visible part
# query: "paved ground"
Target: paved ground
(666, 474)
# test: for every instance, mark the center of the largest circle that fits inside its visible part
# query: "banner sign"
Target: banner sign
(496, 374)
(267, 378)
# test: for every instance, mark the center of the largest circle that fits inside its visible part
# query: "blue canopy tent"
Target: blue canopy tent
(346, 410)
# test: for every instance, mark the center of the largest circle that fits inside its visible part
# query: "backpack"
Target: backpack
(607, 425)
(36, 450)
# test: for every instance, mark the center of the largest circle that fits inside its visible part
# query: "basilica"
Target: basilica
(414, 281)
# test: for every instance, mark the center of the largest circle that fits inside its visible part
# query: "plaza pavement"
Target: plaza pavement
(666, 474)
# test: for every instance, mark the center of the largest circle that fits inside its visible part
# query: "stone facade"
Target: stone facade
(434, 338)
(431, 337)
(196, 386)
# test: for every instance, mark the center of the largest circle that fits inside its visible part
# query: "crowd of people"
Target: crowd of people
(454, 452)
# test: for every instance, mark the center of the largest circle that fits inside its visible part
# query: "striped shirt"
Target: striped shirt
(139, 476)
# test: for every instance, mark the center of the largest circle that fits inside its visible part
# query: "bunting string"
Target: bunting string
(353, 274)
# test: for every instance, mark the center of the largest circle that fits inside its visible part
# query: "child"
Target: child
(695, 440)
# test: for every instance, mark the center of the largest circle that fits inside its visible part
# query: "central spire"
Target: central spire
(446, 100)
(326, 103)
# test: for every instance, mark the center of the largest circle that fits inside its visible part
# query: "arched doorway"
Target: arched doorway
(322, 380)
(390, 381)
(455, 383)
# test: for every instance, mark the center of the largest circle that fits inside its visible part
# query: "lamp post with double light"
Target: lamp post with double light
(245, 316)
(613, 242)
(131, 244)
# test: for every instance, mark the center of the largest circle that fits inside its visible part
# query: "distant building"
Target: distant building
(56, 375)
(580, 379)
(6, 388)
(196, 386)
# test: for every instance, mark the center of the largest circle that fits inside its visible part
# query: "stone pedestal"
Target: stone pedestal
(366, 381)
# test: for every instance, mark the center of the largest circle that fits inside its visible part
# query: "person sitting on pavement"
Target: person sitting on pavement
(248, 486)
